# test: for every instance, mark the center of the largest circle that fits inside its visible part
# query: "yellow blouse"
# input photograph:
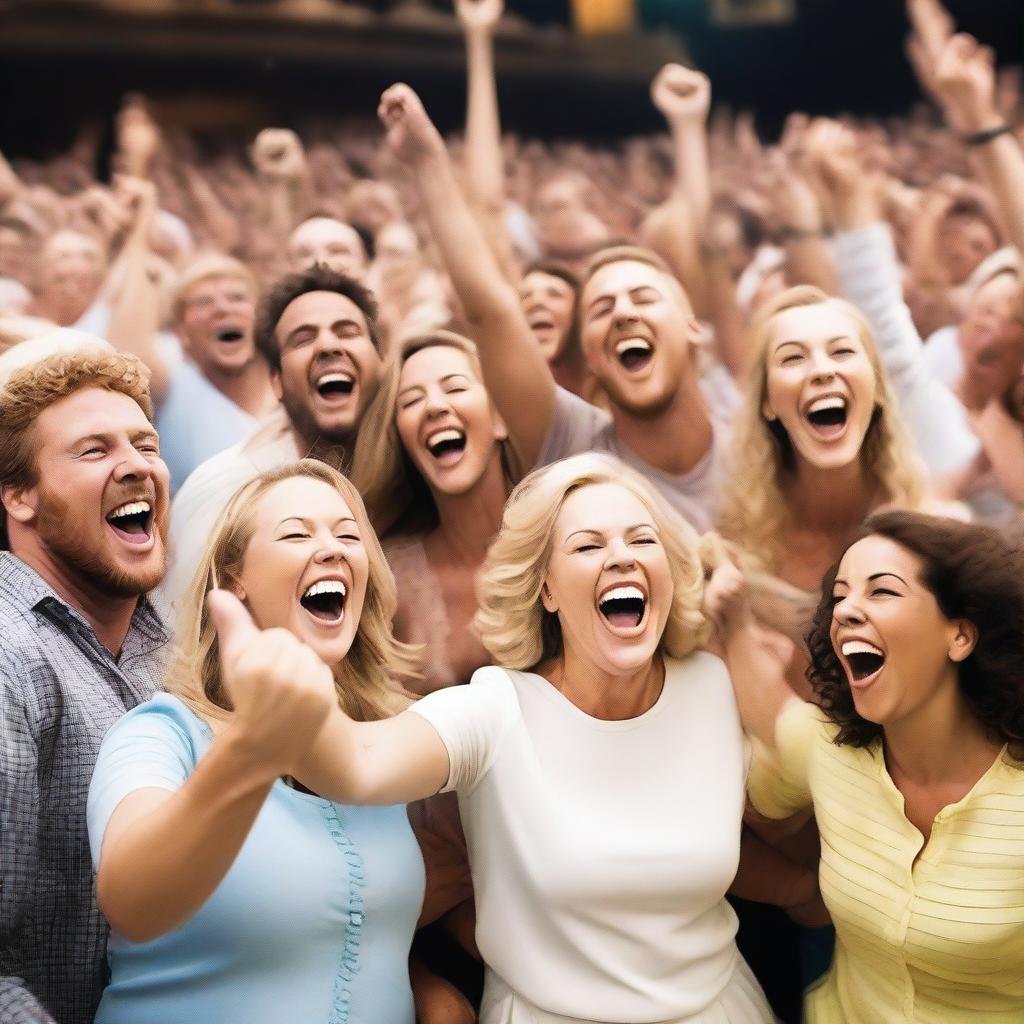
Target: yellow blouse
(935, 940)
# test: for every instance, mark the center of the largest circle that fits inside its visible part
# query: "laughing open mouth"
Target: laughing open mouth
(623, 607)
(449, 441)
(325, 601)
(634, 353)
(230, 334)
(333, 384)
(132, 521)
(827, 416)
(863, 658)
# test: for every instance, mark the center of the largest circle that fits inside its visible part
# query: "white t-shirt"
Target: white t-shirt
(600, 851)
(577, 426)
(942, 354)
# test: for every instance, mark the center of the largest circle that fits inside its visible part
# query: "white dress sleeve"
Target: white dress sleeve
(471, 721)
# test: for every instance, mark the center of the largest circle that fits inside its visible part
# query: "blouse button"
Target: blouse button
(356, 917)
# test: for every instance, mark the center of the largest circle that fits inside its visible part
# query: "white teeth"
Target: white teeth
(860, 647)
(623, 594)
(628, 344)
(440, 436)
(132, 508)
(326, 587)
(828, 402)
(335, 378)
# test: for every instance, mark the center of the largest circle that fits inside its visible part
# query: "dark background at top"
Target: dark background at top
(838, 55)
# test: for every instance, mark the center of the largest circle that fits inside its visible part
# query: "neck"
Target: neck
(943, 742)
(109, 615)
(335, 453)
(249, 390)
(605, 695)
(833, 499)
(676, 438)
(468, 522)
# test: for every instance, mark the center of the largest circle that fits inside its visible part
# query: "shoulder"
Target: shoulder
(699, 666)
(163, 720)
(215, 474)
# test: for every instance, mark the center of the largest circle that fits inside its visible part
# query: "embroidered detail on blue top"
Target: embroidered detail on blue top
(348, 967)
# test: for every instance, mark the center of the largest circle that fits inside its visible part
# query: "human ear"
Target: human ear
(965, 640)
(500, 430)
(20, 503)
(767, 412)
(275, 384)
(547, 599)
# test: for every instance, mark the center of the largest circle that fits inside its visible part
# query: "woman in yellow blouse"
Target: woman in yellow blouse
(912, 764)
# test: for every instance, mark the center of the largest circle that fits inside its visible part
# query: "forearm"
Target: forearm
(758, 679)
(766, 875)
(809, 261)
(484, 162)
(730, 336)
(692, 175)
(135, 314)
(1000, 164)
(159, 869)
(1003, 440)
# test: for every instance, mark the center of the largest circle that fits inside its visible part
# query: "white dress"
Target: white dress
(601, 851)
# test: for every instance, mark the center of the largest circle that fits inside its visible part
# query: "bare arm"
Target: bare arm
(1002, 438)
(164, 854)
(135, 312)
(280, 162)
(515, 371)
(485, 164)
(965, 79)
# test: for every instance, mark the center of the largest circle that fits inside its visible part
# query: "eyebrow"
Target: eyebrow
(872, 578)
(308, 523)
(444, 380)
(803, 344)
(344, 321)
(133, 436)
(599, 533)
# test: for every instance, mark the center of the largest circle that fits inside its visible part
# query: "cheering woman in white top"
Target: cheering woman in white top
(600, 769)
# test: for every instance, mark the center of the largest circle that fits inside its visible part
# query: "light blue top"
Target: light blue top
(312, 923)
(195, 421)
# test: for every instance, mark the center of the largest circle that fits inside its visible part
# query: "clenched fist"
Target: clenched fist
(681, 93)
(411, 134)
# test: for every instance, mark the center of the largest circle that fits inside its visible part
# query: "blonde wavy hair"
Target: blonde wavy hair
(390, 470)
(512, 622)
(364, 678)
(755, 513)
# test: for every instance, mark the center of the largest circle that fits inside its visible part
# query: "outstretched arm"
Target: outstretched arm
(515, 371)
(485, 165)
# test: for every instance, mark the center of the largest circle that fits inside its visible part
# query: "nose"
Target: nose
(437, 402)
(624, 311)
(822, 368)
(847, 612)
(620, 555)
(327, 342)
(330, 550)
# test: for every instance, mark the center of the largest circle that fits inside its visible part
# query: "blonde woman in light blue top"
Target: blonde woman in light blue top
(233, 894)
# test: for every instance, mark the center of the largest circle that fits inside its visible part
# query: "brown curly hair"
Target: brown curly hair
(975, 573)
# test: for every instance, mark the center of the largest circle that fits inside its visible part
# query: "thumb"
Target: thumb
(231, 619)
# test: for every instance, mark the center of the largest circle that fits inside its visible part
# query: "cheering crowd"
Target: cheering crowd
(470, 580)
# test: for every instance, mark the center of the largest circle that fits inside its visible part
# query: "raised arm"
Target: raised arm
(515, 371)
(966, 84)
(135, 312)
(280, 162)
(485, 163)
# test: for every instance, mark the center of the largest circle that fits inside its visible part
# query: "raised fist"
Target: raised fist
(479, 15)
(965, 81)
(681, 94)
(278, 155)
(411, 134)
(138, 136)
(279, 688)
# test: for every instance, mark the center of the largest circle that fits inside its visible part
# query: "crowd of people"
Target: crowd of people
(470, 580)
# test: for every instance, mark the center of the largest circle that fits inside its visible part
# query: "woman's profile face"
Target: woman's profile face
(897, 649)
(306, 568)
(821, 384)
(445, 419)
(608, 579)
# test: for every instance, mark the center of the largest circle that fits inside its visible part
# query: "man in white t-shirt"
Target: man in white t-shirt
(637, 329)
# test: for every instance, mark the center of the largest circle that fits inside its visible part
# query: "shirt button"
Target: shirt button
(356, 917)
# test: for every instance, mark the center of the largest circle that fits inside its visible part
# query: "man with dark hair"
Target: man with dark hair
(318, 333)
(85, 502)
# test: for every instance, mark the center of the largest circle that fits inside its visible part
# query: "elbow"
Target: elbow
(124, 919)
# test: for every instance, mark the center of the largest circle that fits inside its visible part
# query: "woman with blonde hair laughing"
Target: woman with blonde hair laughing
(601, 841)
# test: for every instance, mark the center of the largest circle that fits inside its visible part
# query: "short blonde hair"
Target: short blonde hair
(513, 624)
(755, 513)
(364, 679)
(205, 265)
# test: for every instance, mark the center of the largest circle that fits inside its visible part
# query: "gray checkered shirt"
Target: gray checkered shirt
(60, 691)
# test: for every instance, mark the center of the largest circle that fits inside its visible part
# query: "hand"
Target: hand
(932, 26)
(796, 205)
(9, 184)
(966, 84)
(726, 602)
(277, 155)
(138, 136)
(479, 15)
(681, 94)
(410, 132)
(280, 690)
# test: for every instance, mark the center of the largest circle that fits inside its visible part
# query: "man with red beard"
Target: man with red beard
(82, 527)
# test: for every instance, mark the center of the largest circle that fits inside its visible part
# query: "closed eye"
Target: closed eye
(587, 547)
(348, 536)
(294, 536)
(883, 590)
